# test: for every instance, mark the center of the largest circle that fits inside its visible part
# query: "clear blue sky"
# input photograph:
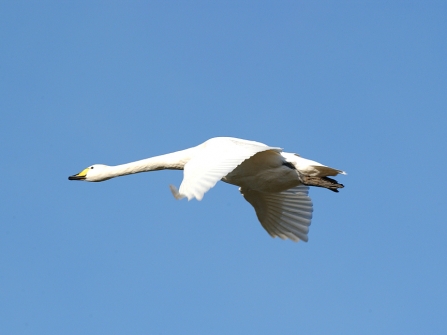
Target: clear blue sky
(360, 86)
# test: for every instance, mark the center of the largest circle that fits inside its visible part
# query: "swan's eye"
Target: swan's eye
(92, 167)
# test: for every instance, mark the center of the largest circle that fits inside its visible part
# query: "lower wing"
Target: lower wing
(286, 214)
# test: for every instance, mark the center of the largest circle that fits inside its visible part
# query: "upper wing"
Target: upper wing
(309, 167)
(214, 160)
(286, 214)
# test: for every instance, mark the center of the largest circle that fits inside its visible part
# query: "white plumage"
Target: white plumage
(285, 214)
(272, 181)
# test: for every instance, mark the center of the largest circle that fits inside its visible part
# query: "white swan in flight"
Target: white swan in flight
(276, 183)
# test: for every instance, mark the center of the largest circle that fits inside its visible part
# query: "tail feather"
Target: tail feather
(323, 171)
(326, 182)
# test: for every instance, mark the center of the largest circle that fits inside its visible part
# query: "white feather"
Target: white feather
(269, 179)
(214, 160)
(286, 214)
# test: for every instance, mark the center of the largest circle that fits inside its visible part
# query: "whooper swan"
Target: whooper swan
(276, 183)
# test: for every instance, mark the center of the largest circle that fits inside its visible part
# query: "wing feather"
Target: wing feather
(214, 160)
(280, 231)
(286, 214)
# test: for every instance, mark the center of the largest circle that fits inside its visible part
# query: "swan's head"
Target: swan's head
(97, 172)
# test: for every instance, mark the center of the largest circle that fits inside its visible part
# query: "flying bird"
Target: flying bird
(274, 182)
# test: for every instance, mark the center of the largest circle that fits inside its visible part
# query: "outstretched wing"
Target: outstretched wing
(214, 160)
(309, 167)
(286, 214)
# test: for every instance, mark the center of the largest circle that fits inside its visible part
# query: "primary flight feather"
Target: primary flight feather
(274, 182)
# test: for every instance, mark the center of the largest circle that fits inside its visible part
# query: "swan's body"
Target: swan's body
(274, 182)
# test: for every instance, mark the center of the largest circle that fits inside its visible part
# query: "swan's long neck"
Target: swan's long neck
(172, 161)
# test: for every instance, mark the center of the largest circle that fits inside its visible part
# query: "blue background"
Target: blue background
(359, 86)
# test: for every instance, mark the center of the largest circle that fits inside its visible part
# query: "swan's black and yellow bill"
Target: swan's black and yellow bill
(80, 176)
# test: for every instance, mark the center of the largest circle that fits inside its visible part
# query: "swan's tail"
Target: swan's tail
(329, 183)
